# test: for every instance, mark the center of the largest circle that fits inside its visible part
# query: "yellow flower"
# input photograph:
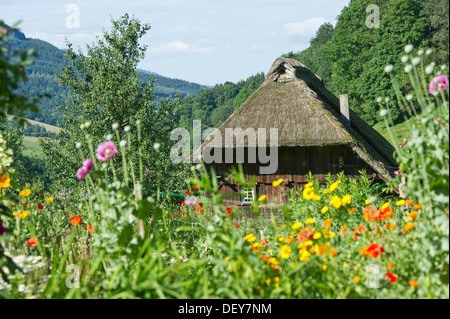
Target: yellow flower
(250, 238)
(285, 252)
(346, 200)
(307, 243)
(309, 221)
(317, 236)
(277, 183)
(324, 209)
(385, 205)
(309, 185)
(263, 197)
(297, 225)
(316, 197)
(324, 267)
(330, 235)
(227, 259)
(281, 240)
(332, 187)
(268, 281)
(305, 256)
(346, 265)
(368, 202)
(49, 200)
(308, 193)
(5, 181)
(401, 202)
(336, 202)
(22, 215)
(25, 193)
(356, 279)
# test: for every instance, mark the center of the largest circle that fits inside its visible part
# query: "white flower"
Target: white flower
(409, 48)
(388, 68)
(199, 167)
(409, 97)
(87, 124)
(115, 126)
(123, 143)
(408, 68)
(379, 99)
(109, 137)
(383, 113)
(430, 68)
(405, 58)
(387, 99)
(82, 126)
(127, 128)
(78, 145)
(416, 60)
(429, 51)
(420, 52)
(443, 67)
(156, 146)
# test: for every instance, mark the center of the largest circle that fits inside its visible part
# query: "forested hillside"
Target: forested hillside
(351, 56)
(213, 106)
(42, 79)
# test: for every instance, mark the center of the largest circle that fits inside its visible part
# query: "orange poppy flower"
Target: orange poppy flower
(413, 283)
(90, 228)
(410, 202)
(372, 250)
(333, 252)
(418, 206)
(32, 242)
(75, 220)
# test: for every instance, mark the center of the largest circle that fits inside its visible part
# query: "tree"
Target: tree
(105, 89)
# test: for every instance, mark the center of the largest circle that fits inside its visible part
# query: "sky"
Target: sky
(203, 41)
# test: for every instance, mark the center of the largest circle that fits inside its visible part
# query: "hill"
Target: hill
(42, 79)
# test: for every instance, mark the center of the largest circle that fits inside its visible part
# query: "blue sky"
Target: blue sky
(203, 41)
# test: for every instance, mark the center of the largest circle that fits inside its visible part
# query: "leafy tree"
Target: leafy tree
(105, 88)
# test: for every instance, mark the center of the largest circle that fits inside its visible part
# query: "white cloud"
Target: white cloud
(306, 28)
(178, 47)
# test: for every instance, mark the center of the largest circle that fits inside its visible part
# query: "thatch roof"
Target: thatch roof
(295, 100)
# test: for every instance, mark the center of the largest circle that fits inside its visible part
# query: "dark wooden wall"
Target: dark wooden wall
(294, 163)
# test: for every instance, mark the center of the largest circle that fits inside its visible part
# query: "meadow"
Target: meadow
(112, 232)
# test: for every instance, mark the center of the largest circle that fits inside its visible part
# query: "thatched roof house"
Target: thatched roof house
(316, 131)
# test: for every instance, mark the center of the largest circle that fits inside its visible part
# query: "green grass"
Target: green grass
(31, 147)
(402, 130)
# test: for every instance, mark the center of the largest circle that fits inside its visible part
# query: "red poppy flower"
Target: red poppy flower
(32, 242)
(201, 210)
(391, 278)
(230, 215)
(195, 187)
(40, 207)
(183, 203)
(90, 228)
(25, 205)
(75, 220)
(236, 226)
(200, 204)
(188, 193)
(229, 210)
(173, 216)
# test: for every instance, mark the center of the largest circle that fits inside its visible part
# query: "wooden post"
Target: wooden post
(345, 110)
(138, 196)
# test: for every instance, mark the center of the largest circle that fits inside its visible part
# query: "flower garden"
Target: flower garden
(347, 239)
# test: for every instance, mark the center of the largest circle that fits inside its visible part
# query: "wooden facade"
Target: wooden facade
(294, 164)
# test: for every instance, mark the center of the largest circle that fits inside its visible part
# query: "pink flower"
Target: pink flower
(84, 170)
(438, 85)
(2, 229)
(190, 201)
(105, 151)
(396, 173)
(88, 164)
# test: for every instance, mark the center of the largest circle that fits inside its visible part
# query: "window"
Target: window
(248, 196)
